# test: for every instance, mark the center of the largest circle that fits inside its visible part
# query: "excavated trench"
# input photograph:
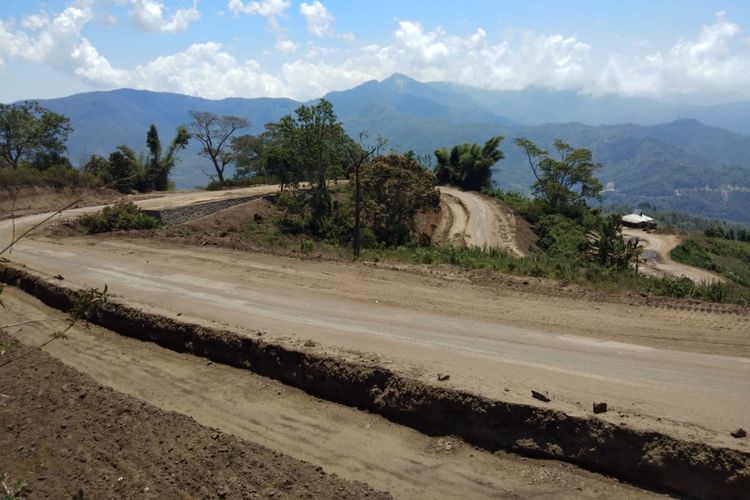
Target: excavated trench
(647, 458)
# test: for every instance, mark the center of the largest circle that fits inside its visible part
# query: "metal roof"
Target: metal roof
(637, 218)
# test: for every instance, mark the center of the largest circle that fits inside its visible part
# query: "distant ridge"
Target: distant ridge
(678, 162)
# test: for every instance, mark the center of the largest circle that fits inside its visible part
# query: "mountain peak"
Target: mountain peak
(400, 82)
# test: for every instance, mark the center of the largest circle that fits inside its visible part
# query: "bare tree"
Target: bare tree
(359, 154)
(213, 132)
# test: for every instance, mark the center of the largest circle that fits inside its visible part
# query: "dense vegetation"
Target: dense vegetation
(682, 165)
(123, 216)
(468, 166)
(33, 147)
(309, 150)
(727, 257)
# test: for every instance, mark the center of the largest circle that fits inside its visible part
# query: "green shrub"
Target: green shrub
(692, 253)
(123, 216)
(57, 176)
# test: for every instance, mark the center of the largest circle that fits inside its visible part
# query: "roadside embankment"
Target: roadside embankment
(649, 458)
(179, 215)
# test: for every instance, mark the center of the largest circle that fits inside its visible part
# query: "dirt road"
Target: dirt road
(67, 435)
(480, 221)
(657, 259)
(683, 372)
(345, 441)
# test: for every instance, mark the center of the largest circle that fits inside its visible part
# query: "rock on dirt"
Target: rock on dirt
(600, 407)
(738, 433)
(540, 396)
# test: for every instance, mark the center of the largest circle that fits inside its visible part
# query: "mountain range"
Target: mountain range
(693, 158)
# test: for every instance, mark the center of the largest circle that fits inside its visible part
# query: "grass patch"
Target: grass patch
(727, 257)
(123, 216)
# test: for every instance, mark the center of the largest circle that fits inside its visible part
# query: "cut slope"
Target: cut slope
(483, 222)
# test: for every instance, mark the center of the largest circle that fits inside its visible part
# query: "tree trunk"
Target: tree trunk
(357, 212)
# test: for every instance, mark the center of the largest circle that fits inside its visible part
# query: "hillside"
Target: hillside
(681, 164)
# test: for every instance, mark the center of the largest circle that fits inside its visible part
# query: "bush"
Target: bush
(58, 176)
(123, 216)
(692, 253)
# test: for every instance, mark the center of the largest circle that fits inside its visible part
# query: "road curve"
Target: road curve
(657, 258)
(499, 347)
(480, 221)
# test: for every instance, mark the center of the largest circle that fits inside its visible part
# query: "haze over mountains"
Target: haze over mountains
(693, 158)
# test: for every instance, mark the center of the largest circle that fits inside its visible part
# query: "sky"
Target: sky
(680, 50)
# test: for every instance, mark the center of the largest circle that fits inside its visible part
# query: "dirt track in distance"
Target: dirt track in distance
(658, 259)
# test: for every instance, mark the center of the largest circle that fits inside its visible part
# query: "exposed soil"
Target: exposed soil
(67, 436)
(657, 257)
(330, 304)
(478, 220)
(649, 457)
(354, 444)
(35, 200)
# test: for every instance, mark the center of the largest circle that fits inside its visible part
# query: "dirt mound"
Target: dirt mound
(66, 436)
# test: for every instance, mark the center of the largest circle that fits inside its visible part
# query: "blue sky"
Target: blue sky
(695, 51)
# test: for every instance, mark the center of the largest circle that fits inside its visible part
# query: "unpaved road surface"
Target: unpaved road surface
(352, 444)
(683, 372)
(70, 436)
(480, 221)
(658, 259)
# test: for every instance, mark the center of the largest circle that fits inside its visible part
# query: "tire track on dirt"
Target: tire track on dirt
(658, 260)
(481, 221)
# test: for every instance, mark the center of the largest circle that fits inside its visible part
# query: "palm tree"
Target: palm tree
(468, 166)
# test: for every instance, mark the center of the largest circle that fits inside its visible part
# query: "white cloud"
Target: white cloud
(710, 64)
(286, 45)
(317, 17)
(35, 21)
(150, 15)
(265, 8)
(320, 21)
(206, 70)
(717, 60)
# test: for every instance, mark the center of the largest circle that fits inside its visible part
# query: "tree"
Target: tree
(249, 152)
(565, 183)
(608, 247)
(318, 136)
(359, 154)
(309, 146)
(27, 130)
(468, 166)
(214, 132)
(394, 189)
(159, 167)
(126, 170)
(98, 166)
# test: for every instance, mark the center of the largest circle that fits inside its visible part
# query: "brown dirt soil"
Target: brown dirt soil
(428, 222)
(36, 200)
(233, 219)
(223, 229)
(66, 436)
(646, 456)
(241, 403)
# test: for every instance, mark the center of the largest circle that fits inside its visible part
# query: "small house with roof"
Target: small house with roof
(638, 221)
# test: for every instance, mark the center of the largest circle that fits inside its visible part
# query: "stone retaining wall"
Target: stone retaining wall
(179, 215)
